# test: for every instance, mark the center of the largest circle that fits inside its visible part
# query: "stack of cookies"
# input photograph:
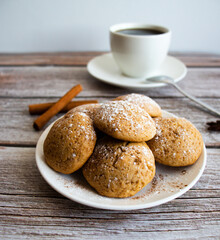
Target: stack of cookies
(116, 144)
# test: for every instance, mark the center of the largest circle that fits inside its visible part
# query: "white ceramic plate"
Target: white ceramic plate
(106, 70)
(169, 183)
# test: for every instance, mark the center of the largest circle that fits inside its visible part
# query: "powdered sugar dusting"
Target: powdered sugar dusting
(67, 130)
(144, 102)
(124, 117)
(141, 100)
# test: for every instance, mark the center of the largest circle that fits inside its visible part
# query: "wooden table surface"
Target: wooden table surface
(31, 209)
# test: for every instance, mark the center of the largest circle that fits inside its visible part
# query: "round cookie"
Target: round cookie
(125, 121)
(148, 104)
(177, 142)
(89, 109)
(69, 143)
(119, 169)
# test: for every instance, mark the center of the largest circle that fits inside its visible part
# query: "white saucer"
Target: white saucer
(105, 69)
(168, 183)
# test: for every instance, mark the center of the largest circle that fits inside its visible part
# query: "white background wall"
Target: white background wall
(82, 25)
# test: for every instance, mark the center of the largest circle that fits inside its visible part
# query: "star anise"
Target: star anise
(214, 126)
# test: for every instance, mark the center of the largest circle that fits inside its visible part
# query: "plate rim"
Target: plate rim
(134, 86)
(115, 207)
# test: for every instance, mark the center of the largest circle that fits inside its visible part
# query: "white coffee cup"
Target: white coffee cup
(139, 55)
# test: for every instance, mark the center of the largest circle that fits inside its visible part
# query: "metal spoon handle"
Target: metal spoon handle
(195, 100)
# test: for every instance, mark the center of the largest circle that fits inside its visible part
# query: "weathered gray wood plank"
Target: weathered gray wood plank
(207, 230)
(57, 59)
(51, 207)
(82, 58)
(29, 208)
(56, 81)
(101, 219)
(16, 123)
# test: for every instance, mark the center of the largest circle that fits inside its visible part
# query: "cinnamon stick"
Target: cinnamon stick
(54, 109)
(43, 107)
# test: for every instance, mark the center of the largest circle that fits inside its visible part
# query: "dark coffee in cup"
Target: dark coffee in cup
(140, 31)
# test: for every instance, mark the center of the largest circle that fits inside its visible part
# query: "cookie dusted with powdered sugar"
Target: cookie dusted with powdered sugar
(177, 142)
(119, 169)
(69, 143)
(125, 121)
(88, 109)
(144, 102)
